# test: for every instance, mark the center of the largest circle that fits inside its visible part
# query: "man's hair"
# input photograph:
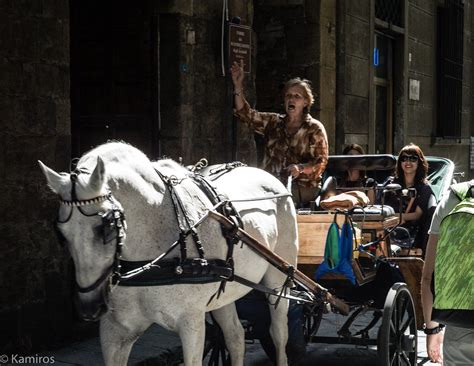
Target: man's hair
(305, 84)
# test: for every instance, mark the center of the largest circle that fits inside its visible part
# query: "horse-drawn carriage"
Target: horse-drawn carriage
(188, 250)
(385, 280)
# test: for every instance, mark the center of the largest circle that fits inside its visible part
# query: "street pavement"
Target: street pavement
(157, 341)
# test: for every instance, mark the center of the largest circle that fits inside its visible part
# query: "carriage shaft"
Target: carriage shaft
(281, 264)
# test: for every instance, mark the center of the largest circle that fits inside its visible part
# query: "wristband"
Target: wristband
(237, 92)
(435, 330)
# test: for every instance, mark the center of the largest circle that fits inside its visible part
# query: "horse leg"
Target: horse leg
(234, 334)
(117, 340)
(279, 316)
(192, 330)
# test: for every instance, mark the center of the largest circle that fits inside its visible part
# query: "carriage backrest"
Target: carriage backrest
(376, 166)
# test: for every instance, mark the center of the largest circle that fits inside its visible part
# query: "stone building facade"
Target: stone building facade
(76, 73)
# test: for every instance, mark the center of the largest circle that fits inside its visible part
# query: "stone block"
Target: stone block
(428, 6)
(57, 9)
(18, 36)
(239, 8)
(207, 33)
(357, 77)
(50, 80)
(24, 119)
(421, 26)
(62, 116)
(185, 7)
(466, 101)
(305, 44)
(186, 116)
(421, 120)
(21, 7)
(12, 78)
(358, 8)
(23, 152)
(357, 40)
(6, 45)
(211, 9)
(327, 9)
(422, 59)
(356, 116)
(328, 47)
(52, 40)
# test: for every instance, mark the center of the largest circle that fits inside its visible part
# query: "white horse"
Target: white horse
(115, 177)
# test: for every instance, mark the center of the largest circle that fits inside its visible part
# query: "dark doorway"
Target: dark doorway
(114, 74)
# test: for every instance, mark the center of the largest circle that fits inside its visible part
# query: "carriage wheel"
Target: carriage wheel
(312, 320)
(397, 337)
(214, 346)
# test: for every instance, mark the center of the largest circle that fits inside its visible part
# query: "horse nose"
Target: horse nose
(90, 309)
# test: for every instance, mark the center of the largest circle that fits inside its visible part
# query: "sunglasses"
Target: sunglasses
(410, 158)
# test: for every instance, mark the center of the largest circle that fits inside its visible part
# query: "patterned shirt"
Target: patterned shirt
(308, 146)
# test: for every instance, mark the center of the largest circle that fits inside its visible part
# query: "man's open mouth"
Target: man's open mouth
(291, 107)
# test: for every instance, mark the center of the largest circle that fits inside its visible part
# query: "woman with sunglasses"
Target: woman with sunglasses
(296, 144)
(412, 169)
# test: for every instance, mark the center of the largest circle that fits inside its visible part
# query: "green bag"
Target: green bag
(454, 266)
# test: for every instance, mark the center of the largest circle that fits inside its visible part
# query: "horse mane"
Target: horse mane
(125, 164)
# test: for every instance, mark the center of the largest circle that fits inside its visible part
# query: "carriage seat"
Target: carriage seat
(373, 213)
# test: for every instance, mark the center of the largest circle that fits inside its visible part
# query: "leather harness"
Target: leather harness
(163, 270)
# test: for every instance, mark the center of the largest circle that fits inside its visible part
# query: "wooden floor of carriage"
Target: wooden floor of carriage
(158, 341)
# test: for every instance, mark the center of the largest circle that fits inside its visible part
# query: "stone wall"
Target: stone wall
(415, 52)
(35, 303)
(422, 114)
(297, 39)
(196, 96)
(353, 73)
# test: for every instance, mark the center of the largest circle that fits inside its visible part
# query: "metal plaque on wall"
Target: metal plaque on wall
(240, 45)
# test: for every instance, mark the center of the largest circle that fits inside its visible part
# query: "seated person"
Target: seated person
(355, 178)
(411, 172)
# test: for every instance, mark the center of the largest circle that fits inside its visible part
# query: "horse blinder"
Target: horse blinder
(113, 225)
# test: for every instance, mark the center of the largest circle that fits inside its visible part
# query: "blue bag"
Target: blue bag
(338, 251)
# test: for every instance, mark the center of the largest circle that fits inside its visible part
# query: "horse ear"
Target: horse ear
(97, 177)
(55, 180)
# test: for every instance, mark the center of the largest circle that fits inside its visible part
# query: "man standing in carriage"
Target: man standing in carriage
(296, 144)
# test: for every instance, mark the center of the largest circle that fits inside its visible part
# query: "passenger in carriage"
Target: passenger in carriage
(296, 144)
(411, 172)
(355, 178)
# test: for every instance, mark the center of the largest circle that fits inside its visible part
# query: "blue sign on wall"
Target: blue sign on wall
(376, 56)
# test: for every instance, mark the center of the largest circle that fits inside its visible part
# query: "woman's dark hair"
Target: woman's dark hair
(422, 169)
(355, 147)
(360, 150)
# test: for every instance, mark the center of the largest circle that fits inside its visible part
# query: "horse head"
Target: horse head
(92, 224)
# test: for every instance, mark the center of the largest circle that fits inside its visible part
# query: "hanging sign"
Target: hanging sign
(240, 45)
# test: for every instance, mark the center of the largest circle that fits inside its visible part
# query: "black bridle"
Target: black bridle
(113, 227)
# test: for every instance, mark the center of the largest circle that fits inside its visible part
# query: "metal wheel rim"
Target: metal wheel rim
(397, 340)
